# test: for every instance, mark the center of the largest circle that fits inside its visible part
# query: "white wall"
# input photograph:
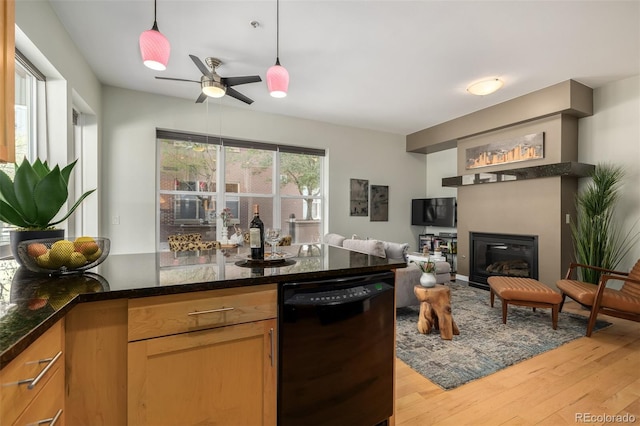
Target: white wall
(129, 163)
(70, 84)
(612, 135)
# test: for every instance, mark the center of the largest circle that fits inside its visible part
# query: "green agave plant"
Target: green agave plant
(597, 237)
(36, 195)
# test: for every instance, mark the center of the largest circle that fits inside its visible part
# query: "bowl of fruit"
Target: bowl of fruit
(58, 256)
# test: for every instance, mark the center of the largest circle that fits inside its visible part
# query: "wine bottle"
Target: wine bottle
(256, 235)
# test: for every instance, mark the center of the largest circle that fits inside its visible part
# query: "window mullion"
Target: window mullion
(276, 190)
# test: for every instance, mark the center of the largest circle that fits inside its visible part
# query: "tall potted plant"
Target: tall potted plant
(33, 199)
(598, 239)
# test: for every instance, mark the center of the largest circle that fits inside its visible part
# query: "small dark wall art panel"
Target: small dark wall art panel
(379, 203)
(359, 198)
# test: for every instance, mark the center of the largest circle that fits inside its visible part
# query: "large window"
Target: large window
(200, 175)
(26, 81)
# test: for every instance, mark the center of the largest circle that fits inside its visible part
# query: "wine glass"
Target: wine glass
(273, 237)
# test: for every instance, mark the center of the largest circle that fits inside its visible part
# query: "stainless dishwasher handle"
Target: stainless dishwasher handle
(34, 382)
(50, 421)
(211, 311)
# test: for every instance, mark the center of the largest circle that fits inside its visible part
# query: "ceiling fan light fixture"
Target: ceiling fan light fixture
(213, 89)
(278, 80)
(485, 87)
(154, 47)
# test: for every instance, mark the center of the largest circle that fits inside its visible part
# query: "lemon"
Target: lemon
(44, 261)
(60, 252)
(76, 260)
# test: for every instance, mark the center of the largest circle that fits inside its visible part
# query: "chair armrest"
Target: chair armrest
(574, 266)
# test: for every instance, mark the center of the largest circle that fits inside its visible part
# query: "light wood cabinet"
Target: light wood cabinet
(32, 385)
(205, 358)
(96, 360)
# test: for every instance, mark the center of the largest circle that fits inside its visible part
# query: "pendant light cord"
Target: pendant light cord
(155, 15)
(278, 31)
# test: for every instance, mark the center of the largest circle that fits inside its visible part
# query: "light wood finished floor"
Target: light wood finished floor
(598, 375)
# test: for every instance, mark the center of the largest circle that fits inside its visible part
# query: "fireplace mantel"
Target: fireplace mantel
(566, 169)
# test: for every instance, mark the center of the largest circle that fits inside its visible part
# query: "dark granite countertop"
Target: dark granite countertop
(30, 303)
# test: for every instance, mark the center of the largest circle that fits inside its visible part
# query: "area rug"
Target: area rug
(484, 345)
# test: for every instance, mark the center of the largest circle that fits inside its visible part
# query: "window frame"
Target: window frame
(222, 197)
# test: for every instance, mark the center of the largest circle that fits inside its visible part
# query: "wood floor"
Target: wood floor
(594, 376)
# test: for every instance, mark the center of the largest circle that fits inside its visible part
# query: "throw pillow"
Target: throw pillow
(396, 250)
(334, 239)
(372, 247)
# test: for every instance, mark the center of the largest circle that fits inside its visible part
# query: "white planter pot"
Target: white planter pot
(427, 279)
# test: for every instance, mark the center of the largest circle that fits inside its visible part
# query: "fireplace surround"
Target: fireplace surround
(501, 255)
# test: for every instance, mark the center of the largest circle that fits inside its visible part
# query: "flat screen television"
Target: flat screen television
(434, 212)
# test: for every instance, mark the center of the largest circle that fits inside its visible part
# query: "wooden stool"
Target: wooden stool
(525, 292)
(435, 310)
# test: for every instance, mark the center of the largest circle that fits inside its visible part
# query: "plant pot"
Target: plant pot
(16, 237)
(427, 279)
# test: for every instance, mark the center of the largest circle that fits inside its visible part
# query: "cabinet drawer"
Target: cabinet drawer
(48, 407)
(25, 376)
(163, 315)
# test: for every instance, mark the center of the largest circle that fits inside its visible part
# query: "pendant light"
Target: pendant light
(277, 75)
(154, 47)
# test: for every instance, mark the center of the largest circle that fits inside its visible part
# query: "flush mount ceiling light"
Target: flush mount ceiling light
(277, 75)
(154, 47)
(213, 88)
(485, 87)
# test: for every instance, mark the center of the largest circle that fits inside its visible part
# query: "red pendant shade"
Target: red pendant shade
(278, 80)
(277, 75)
(155, 49)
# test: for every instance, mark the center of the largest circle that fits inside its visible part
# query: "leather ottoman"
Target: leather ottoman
(525, 292)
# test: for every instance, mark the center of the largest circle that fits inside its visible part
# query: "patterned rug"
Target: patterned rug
(484, 345)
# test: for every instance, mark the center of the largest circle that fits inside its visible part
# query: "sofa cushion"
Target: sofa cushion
(334, 239)
(396, 250)
(372, 247)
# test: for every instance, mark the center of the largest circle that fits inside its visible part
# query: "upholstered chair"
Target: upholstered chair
(602, 298)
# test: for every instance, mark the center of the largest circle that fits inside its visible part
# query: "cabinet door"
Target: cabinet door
(219, 376)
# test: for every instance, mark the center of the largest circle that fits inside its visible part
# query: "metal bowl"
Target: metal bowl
(59, 256)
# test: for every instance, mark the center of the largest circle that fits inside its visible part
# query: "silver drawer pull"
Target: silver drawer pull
(211, 311)
(50, 421)
(34, 382)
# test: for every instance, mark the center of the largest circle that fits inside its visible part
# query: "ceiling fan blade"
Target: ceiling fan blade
(201, 66)
(201, 98)
(177, 79)
(234, 81)
(239, 96)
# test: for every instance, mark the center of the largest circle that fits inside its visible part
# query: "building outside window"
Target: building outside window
(284, 181)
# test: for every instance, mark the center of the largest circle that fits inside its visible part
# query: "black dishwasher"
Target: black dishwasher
(336, 351)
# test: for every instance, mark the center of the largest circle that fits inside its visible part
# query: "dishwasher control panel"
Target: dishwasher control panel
(336, 296)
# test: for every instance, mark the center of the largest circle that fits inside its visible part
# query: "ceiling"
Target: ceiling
(394, 66)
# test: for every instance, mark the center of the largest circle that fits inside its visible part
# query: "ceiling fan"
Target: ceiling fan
(215, 86)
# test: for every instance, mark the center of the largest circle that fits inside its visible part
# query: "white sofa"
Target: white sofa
(407, 277)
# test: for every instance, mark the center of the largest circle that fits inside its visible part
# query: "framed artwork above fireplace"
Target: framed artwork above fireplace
(522, 148)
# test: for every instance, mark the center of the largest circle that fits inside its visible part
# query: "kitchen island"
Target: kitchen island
(105, 313)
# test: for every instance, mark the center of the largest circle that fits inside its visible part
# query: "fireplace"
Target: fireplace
(501, 255)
